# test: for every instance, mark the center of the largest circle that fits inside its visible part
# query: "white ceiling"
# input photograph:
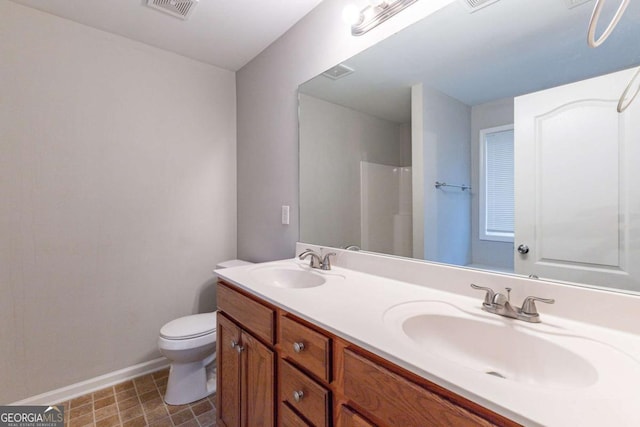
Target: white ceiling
(224, 33)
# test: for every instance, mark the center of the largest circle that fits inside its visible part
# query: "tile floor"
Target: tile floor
(137, 403)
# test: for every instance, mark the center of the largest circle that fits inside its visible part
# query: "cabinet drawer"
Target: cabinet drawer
(255, 317)
(306, 347)
(305, 395)
(288, 418)
(397, 401)
(349, 418)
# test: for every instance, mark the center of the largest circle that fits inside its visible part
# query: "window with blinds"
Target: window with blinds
(496, 184)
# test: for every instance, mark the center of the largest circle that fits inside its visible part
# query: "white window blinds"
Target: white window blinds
(497, 199)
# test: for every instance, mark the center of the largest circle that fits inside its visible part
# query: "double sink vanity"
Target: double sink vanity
(378, 340)
(397, 156)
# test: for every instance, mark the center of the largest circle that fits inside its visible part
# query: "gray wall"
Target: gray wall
(267, 119)
(118, 197)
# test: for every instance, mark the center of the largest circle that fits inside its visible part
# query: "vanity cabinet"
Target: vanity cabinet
(294, 372)
(245, 365)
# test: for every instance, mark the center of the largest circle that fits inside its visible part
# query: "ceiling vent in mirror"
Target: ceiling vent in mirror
(338, 72)
(179, 8)
(474, 5)
(573, 3)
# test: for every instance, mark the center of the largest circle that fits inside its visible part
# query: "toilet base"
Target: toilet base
(188, 382)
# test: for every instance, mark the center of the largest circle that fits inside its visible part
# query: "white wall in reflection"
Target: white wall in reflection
(386, 208)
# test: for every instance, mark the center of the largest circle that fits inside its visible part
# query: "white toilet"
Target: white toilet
(190, 344)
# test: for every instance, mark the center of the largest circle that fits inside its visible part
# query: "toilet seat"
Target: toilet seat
(188, 343)
(188, 327)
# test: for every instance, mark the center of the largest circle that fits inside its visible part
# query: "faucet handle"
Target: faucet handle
(351, 248)
(326, 262)
(488, 298)
(315, 258)
(529, 305)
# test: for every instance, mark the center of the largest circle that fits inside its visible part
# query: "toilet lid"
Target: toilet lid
(192, 326)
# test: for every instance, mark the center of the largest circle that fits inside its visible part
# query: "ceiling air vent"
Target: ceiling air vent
(474, 5)
(338, 72)
(179, 8)
(573, 3)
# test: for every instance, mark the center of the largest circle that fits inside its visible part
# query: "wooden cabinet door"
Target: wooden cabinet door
(229, 373)
(258, 372)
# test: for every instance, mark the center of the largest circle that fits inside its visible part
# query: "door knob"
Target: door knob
(523, 249)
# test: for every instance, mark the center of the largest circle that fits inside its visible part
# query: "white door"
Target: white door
(577, 184)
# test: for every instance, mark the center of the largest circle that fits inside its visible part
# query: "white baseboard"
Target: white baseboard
(78, 389)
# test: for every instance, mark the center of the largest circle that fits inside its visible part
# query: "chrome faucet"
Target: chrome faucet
(323, 263)
(500, 304)
(315, 258)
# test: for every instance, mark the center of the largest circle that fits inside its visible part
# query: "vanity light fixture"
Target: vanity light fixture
(373, 14)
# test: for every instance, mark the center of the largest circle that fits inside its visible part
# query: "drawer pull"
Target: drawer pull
(234, 343)
(298, 347)
(298, 395)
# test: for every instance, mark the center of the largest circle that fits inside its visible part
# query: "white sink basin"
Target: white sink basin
(498, 347)
(287, 277)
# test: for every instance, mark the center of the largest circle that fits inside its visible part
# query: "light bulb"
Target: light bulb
(351, 14)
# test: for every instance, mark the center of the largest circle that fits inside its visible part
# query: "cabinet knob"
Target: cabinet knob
(298, 395)
(237, 346)
(298, 347)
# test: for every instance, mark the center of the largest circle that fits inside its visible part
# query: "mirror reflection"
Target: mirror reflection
(503, 151)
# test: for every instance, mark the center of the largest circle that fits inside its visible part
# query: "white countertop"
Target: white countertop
(353, 305)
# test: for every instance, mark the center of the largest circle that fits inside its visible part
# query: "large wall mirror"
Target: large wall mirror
(488, 139)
